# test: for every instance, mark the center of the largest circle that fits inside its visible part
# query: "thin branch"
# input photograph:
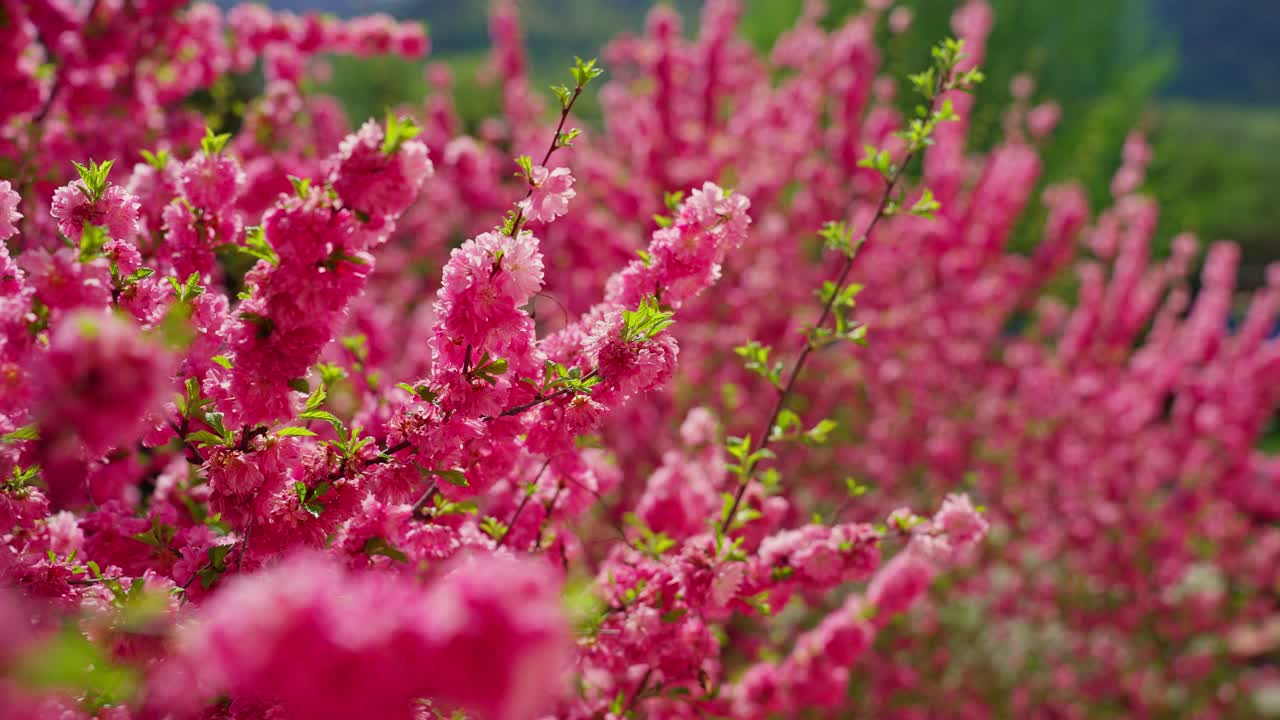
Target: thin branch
(555, 145)
(827, 309)
(635, 696)
(511, 524)
(423, 500)
(538, 400)
(546, 517)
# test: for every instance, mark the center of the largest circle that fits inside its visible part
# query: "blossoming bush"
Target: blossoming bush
(305, 422)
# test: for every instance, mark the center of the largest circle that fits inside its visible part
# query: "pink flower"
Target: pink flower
(550, 195)
(373, 181)
(332, 644)
(95, 387)
(9, 215)
(1043, 118)
(964, 526)
(900, 19)
(100, 378)
(899, 584)
(116, 210)
(211, 182)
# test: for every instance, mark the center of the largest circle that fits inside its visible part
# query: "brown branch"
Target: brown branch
(520, 508)
(827, 309)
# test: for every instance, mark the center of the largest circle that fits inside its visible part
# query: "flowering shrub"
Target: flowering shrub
(620, 463)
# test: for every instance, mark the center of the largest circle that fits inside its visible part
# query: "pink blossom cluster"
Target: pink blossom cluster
(294, 425)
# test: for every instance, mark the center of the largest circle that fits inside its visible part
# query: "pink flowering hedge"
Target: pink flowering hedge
(735, 406)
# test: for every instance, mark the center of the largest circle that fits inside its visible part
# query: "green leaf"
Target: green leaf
(204, 438)
(566, 138)
(215, 567)
(294, 432)
(256, 245)
(218, 556)
(316, 398)
(397, 132)
(339, 255)
(674, 615)
(585, 71)
(214, 419)
(212, 143)
(301, 186)
(159, 535)
(926, 206)
(837, 236)
(653, 544)
(787, 422)
(222, 360)
(878, 160)
(26, 432)
(760, 601)
(324, 415)
(854, 488)
(562, 94)
(493, 527)
(756, 357)
(380, 546)
(357, 345)
(308, 498)
(329, 374)
(526, 166)
(646, 321)
(187, 290)
(448, 507)
(488, 369)
(70, 662)
(92, 239)
(453, 477)
(158, 160)
(94, 177)
(819, 434)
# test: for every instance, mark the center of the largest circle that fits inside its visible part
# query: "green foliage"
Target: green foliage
(91, 241)
(756, 359)
(646, 321)
(94, 177)
(187, 290)
(584, 71)
(212, 143)
(558, 378)
(68, 661)
(789, 427)
(1211, 171)
(215, 566)
(257, 246)
(653, 544)
(493, 527)
(397, 131)
(26, 432)
(1100, 60)
(454, 477)
(488, 369)
(158, 160)
(740, 449)
(379, 546)
(309, 497)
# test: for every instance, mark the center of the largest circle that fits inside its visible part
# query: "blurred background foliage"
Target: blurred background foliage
(1200, 77)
